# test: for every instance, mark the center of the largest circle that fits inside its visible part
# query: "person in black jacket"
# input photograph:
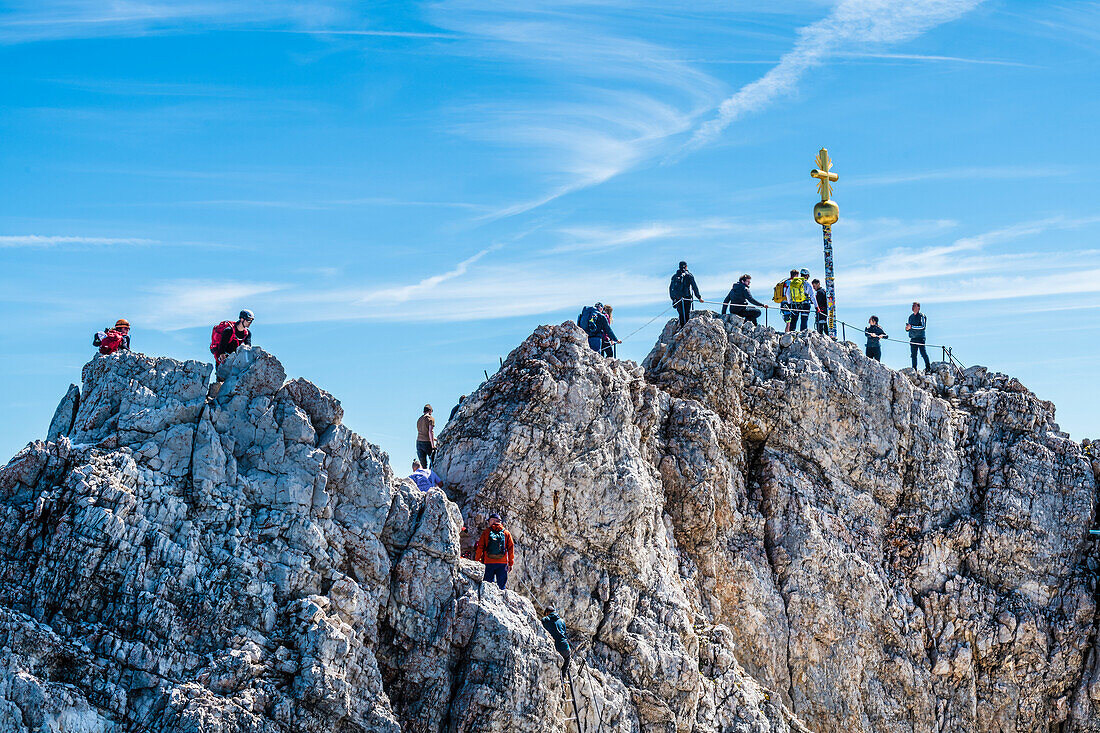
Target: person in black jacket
(916, 326)
(874, 334)
(738, 299)
(821, 301)
(681, 289)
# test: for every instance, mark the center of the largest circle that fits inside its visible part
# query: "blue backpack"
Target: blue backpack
(496, 547)
(589, 320)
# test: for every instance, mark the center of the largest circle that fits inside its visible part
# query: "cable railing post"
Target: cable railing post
(843, 331)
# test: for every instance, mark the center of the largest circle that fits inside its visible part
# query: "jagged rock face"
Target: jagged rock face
(173, 562)
(759, 526)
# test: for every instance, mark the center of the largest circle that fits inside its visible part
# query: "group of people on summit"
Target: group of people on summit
(225, 339)
(797, 297)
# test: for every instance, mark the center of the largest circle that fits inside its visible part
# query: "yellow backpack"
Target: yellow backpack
(798, 290)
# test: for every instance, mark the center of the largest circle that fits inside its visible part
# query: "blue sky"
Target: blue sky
(403, 191)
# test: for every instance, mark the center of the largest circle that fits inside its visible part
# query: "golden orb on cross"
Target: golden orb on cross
(826, 212)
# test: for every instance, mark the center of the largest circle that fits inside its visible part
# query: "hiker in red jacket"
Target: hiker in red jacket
(116, 338)
(495, 549)
(228, 336)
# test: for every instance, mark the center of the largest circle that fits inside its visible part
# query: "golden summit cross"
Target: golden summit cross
(823, 175)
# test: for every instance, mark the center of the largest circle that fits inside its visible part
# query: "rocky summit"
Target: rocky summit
(750, 532)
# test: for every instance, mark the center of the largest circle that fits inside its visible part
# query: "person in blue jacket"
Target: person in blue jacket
(553, 623)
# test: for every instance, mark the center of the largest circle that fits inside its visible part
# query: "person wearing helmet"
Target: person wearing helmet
(796, 299)
(115, 338)
(229, 336)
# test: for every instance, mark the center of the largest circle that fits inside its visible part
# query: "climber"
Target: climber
(495, 549)
(875, 334)
(115, 338)
(454, 410)
(553, 623)
(425, 478)
(916, 326)
(1088, 448)
(821, 301)
(228, 336)
(681, 289)
(796, 299)
(738, 299)
(425, 437)
(607, 348)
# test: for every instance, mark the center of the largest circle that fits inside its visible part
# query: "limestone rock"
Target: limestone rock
(65, 414)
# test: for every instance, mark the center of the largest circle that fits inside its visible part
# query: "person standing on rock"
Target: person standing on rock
(115, 338)
(425, 437)
(607, 347)
(228, 336)
(917, 326)
(796, 299)
(681, 289)
(553, 624)
(739, 298)
(495, 549)
(425, 478)
(875, 334)
(821, 309)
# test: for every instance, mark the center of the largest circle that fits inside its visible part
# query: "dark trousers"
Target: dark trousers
(595, 343)
(822, 324)
(683, 309)
(916, 347)
(424, 452)
(793, 312)
(497, 571)
(747, 312)
(608, 349)
(875, 352)
(563, 650)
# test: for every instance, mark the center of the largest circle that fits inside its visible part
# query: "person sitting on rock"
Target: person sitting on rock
(553, 623)
(115, 338)
(495, 549)
(228, 336)
(739, 298)
(425, 478)
(425, 436)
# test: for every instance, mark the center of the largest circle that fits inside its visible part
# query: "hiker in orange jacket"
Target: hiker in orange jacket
(495, 549)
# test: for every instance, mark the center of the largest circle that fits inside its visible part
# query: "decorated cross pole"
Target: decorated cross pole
(826, 213)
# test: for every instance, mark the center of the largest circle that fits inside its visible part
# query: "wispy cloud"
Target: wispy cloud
(313, 204)
(988, 173)
(189, 302)
(852, 22)
(931, 58)
(39, 240)
(618, 99)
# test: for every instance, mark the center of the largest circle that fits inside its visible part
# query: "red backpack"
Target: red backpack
(216, 336)
(111, 342)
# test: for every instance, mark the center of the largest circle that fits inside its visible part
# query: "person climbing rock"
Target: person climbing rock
(425, 437)
(228, 336)
(593, 321)
(680, 289)
(495, 549)
(1089, 449)
(553, 624)
(821, 310)
(454, 410)
(796, 299)
(607, 347)
(917, 327)
(875, 334)
(115, 338)
(425, 478)
(739, 298)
